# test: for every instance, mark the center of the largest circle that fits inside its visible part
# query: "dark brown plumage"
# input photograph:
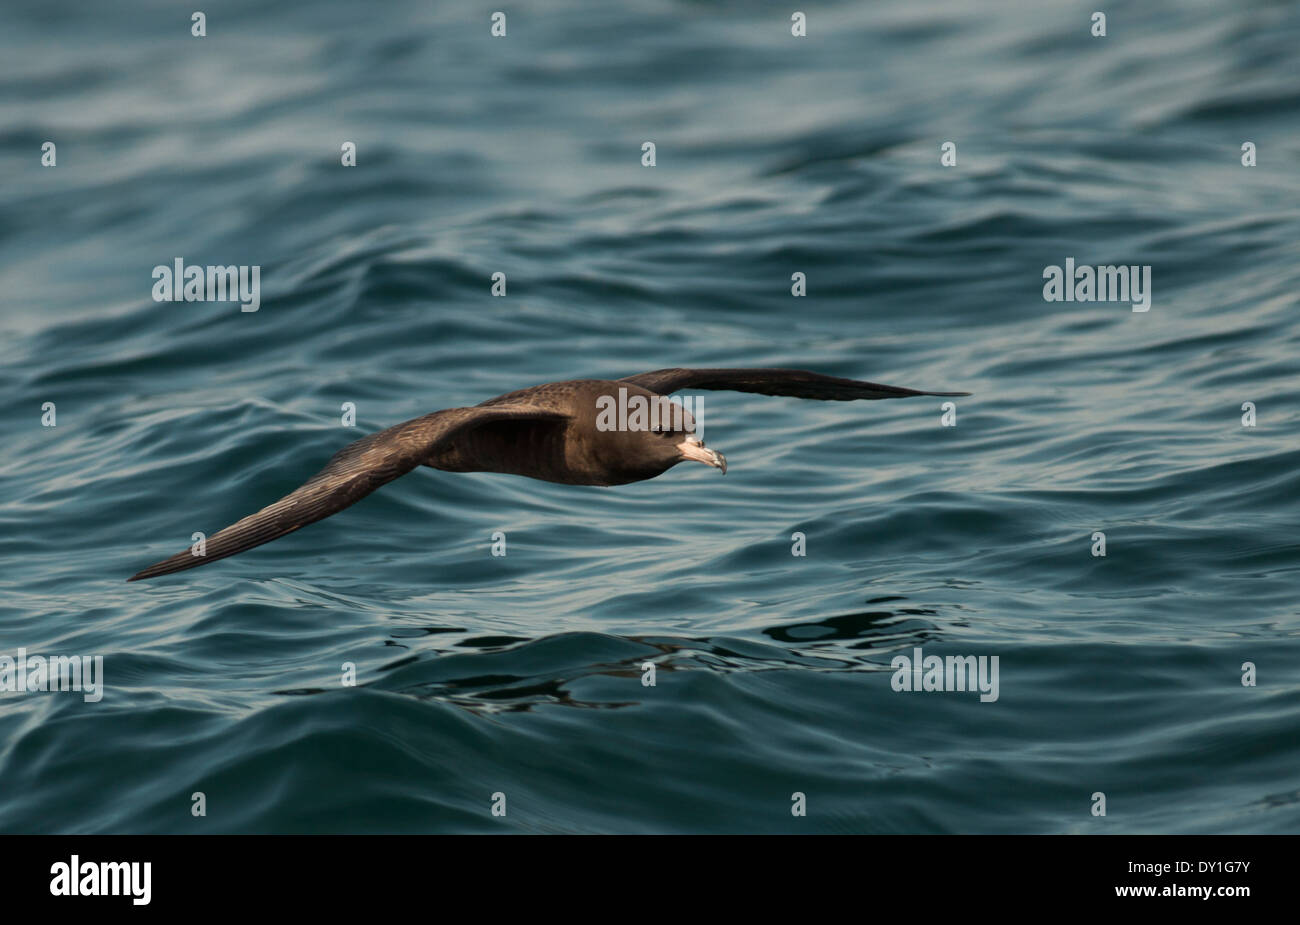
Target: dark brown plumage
(546, 432)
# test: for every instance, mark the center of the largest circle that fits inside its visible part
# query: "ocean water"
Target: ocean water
(523, 675)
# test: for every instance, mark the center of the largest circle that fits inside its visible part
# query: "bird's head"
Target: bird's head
(661, 450)
(642, 434)
(679, 440)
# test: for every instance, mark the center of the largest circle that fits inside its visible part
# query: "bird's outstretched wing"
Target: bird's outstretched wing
(796, 383)
(351, 474)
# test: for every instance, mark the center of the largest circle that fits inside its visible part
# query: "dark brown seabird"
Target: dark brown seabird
(547, 432)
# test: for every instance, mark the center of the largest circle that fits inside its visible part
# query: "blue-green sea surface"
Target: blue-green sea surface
(519, 682)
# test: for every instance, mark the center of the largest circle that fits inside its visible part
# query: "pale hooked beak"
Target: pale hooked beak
(693, 448)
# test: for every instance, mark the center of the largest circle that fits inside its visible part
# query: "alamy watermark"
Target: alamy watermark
(655, 412)
(1098, 284)
(193, 283)
(31, 673)
(76, 877)
(919, 672)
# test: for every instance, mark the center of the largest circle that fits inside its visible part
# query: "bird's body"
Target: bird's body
(570, 448)
(556, 432)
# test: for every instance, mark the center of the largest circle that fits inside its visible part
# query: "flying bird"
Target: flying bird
(557, 432)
